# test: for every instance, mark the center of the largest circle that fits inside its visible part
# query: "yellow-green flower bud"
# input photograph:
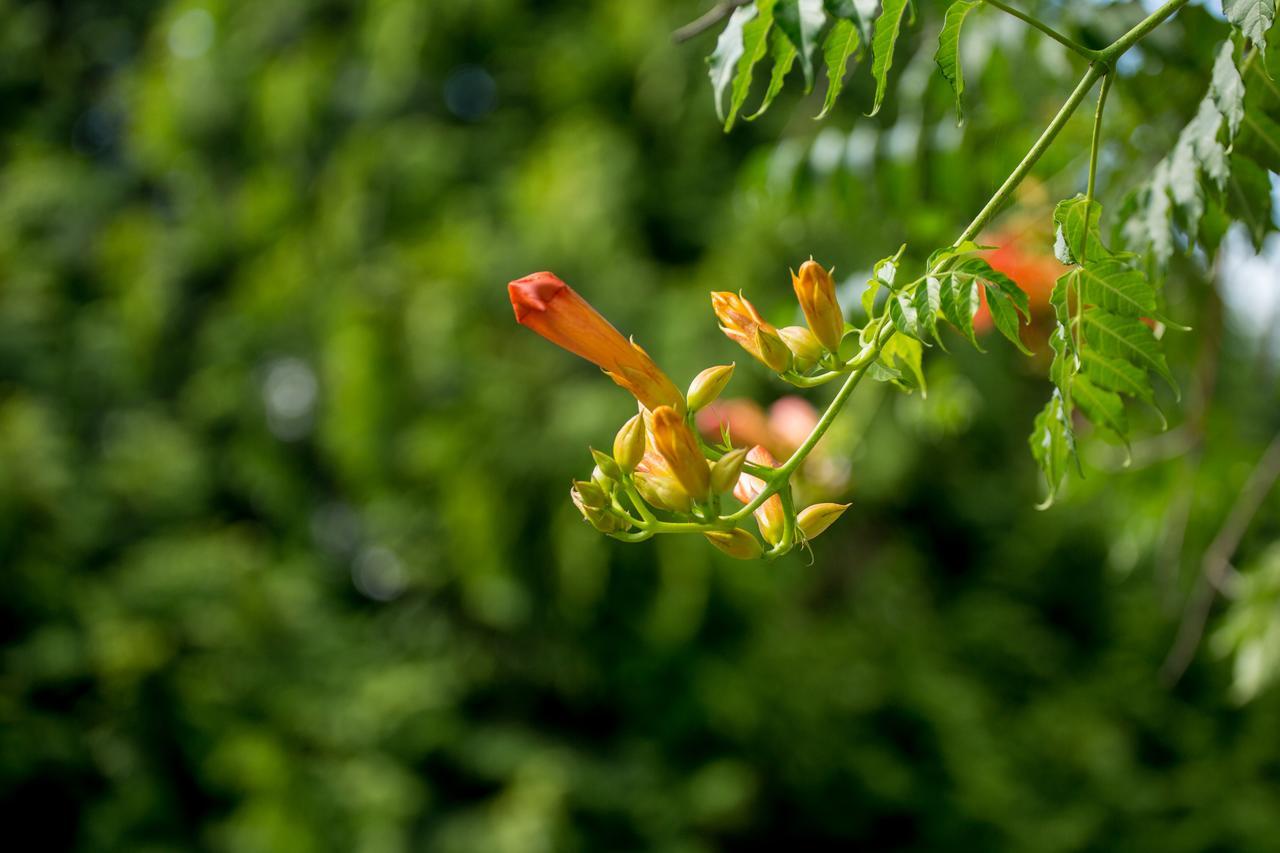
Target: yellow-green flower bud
(802, 344)
(606, 464)
(589, 494)
(676, 443)
(812, 520)
(724, 473)
(606, 483)
(628, 444)
(775, 354)
(584, 495)
(816, 291)
(707, 385)
(737, 543)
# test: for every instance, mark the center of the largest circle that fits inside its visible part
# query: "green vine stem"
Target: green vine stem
(1091, 55)
(880, 330)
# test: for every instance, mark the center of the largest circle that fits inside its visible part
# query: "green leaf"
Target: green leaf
(802, 22)
(1127, 338)
(842, 42)
(903, 313)
(1002, 282)
(1260, 140)
(784, 56)
(1069, 218)
(960, 301)
(1104, 408)
(1248, 198)
(1116, 374)
(1252, 17)
(1117, 287)
(1005, 316)
(904, 355)
(1052, 444)
(968, 247)
(1063, 366)
(928, 302)
(886, 37)
(724, 59)
(948, 55)
(755, 43)
(1227, 89)
(858, 11)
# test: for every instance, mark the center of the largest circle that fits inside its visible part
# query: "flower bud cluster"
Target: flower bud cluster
(662, 475)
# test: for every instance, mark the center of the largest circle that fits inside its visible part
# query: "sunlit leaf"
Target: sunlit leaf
(948, 55)
(842, 42)
(723, 61)
(1253, 17)
(887, 28)
(783, 56)
(1052, 444)
(1104, 408)
(802, 22)
(755, 43)
(1127, 338)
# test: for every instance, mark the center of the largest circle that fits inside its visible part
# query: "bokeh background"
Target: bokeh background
(288, 558)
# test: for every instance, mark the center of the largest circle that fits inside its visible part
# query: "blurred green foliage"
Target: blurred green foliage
(288, 558)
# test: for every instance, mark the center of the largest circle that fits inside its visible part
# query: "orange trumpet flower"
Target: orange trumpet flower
(551, 308)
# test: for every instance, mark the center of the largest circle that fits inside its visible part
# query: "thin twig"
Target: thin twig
(707, 20)
(1215, 568)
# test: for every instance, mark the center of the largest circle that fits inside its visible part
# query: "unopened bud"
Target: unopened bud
(802, 344)
(658, 486)
(606, 483)
(812, 520)
(773, 351)
(589, 494)
(707, 385)
(737, 543)
(628, 444)
(584, 495)
(771, 516)
(724, 473)
(677, 445)
(606, 464)
(816, 292)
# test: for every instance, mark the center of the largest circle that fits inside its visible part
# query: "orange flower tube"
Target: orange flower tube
(551, 308)
(741, 322)
(771, 515)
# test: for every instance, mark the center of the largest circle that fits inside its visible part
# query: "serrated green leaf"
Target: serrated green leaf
(1063, 366)
(861, 12)
(1127, 338)
(928, 302)
(960, 301)
(968, 247)
(1005, 316)
(784, 57)
(948, 55)
(1227, 89)
(1252, 17)
(1007, 286)
(843, 41)
(887, 28)
(1116, 374)
(1052, 444)
(1069, 224)
(1117, 287)
(755, 43)
(1102, 407)
(1248, 198)
(802, 22)
(723, 61)
(905, 355)
(1259, 140)
(903, 313)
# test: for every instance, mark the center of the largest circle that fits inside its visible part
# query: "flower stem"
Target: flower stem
(1091, 55)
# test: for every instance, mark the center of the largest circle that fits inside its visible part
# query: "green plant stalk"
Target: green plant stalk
(1116, 49)
(1095, 145)
(1099, 68)
(1033, 156)
(1087, 53)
